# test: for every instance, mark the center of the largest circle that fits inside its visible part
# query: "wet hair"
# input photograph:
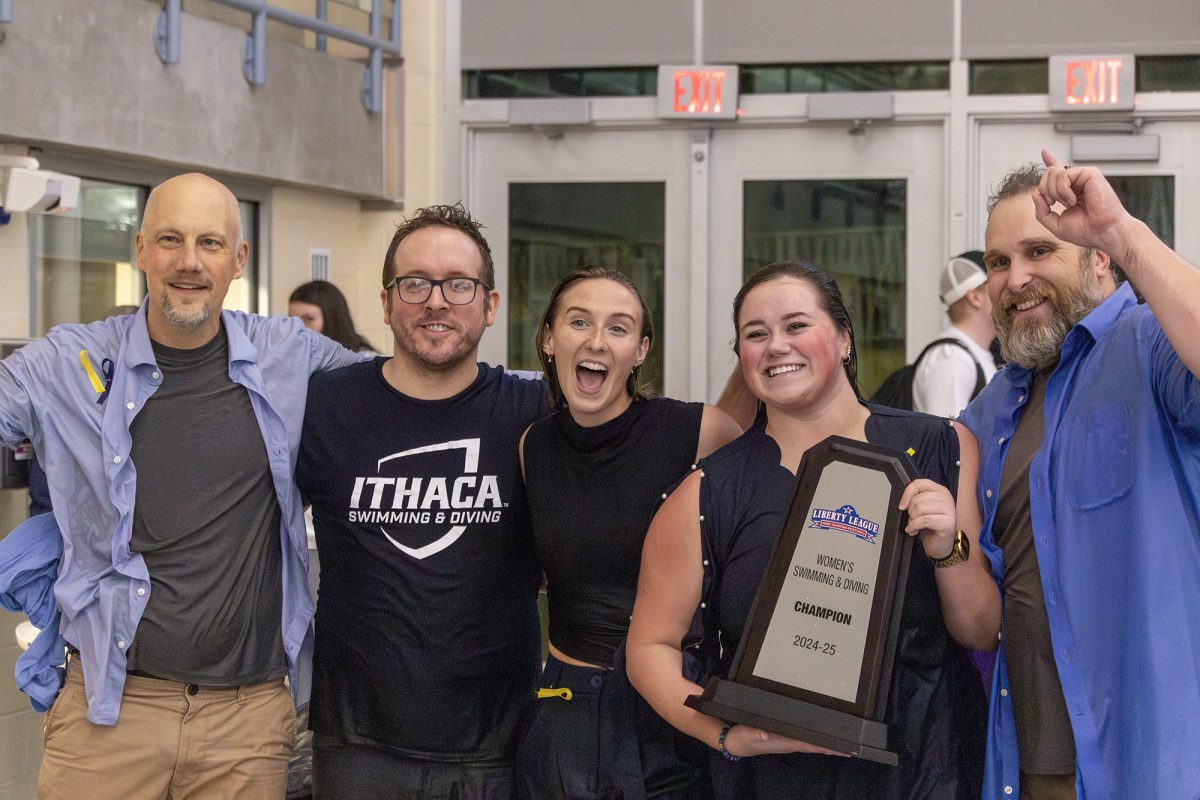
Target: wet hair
(632, 386)
(337, 325)
(455, 217)
(830, 298)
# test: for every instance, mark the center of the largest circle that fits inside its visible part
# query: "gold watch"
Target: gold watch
(960, 552)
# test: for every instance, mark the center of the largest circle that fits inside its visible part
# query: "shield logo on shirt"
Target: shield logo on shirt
(470, 448)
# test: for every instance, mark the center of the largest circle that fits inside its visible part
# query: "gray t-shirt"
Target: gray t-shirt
(206, 520)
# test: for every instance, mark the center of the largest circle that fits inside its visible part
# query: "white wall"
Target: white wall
(301, 220)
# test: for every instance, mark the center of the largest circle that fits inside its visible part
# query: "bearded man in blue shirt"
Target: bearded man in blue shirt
(169, 440)
(1090, 487)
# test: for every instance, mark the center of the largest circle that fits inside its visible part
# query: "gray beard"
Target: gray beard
(1036, 345)
(191, 322)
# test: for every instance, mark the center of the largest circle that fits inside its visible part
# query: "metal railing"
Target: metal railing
(254, 54)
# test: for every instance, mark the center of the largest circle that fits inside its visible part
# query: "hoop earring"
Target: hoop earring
(846, 358)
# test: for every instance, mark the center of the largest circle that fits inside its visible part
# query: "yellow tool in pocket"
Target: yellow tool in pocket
(562, 692)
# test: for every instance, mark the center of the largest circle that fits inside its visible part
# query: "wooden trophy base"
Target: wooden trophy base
(796, 719)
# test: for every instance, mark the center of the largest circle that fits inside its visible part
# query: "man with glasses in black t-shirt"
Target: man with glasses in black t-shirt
(427, 634)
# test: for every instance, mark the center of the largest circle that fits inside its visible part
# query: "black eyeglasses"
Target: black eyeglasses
(457, 291)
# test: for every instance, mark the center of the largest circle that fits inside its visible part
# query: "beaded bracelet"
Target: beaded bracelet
(721, 741)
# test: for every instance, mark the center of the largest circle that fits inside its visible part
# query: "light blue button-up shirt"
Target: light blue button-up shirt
(1114, 495)
(75, 394)
(29, 557)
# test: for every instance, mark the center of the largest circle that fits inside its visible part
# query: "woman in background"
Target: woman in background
(594, 470)
(322, 307)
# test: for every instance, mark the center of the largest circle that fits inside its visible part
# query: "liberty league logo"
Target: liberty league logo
(847, 520)
(431, 508)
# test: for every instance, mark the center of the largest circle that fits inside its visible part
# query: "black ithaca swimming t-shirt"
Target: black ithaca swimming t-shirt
(427, 635)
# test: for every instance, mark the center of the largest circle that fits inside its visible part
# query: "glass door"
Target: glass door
(84, 259)
(1156, 192)
(555, 228)
(852, 229)
(553, 203)
(866, 207)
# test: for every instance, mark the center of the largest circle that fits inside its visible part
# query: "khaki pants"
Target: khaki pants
(173, 740)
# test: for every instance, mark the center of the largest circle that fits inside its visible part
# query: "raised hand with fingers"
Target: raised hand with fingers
(1091, 213)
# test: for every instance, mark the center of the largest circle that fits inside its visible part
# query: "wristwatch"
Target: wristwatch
(960, 552)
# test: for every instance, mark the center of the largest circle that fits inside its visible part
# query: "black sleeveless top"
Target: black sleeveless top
(936, 710)
(592, 493)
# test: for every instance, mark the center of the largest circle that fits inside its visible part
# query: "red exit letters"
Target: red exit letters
(1094, 82)
(698, 91)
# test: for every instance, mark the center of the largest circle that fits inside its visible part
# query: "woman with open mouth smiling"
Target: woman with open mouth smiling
(595, 469)
(711, 541)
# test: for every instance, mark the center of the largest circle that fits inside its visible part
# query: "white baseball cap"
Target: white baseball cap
(964, 272)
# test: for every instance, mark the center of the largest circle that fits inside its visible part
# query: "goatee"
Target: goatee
(189, 321)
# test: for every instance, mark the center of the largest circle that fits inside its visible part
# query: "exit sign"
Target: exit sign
(1092, 83)
(702, 92)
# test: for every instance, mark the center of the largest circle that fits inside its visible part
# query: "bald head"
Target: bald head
(199, 192)
(190, 247)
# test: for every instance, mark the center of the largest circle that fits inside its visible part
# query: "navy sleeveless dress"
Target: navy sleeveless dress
(936, 710)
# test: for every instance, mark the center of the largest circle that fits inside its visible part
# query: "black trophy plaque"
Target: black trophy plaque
(815, 662)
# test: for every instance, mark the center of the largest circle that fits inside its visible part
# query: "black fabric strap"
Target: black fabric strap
(979, 381)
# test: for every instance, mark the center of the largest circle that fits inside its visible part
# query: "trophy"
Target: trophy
(815, 661)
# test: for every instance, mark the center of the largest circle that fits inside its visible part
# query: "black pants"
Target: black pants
(605, 743)
(360, 772)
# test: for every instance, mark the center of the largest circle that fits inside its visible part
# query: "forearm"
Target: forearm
(327, 354)
(1170, 285)
(970, 603)
(738, 401)
(656, 671)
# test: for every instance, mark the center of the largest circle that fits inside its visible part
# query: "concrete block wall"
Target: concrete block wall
(305, 126)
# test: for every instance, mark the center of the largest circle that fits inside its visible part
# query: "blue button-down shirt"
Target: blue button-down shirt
(29, 558)
(75, 394)
(1114, 496)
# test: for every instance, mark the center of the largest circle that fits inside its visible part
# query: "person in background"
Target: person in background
(595, 470)
(1090, 490)
(322, 307)
(949, 375)
(711, 541)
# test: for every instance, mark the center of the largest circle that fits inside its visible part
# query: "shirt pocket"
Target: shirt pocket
(1101, 453)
